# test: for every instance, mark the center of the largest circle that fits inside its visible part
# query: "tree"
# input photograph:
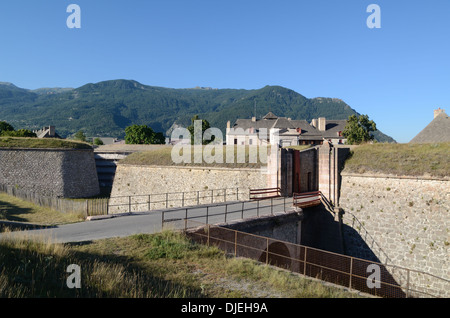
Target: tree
(205, 126)
(142, 134)
(98, 142)
(158, 138)
(4, 126)
(8, 130)
(19, 133)
(80, 136)
(358, 129)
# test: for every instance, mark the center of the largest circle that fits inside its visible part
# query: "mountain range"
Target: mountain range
(106, 108)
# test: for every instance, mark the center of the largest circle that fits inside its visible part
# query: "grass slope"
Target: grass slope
(17, 210)
(47, 143)
(428, 159)
(240, 156)
(159, 265)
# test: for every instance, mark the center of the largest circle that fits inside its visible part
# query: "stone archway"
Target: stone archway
(278, 255)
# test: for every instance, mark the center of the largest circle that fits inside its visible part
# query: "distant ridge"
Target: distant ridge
(51, 90)
(106, 108)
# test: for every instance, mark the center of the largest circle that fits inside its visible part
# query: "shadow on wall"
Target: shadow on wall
(321, 230)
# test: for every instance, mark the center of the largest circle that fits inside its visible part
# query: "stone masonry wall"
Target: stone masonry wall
(150, 184)
(65, 173)
(403, 221)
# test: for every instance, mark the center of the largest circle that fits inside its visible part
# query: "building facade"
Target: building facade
(283, 131)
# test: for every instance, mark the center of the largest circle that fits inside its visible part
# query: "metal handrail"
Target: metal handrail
(407, 290)
(301, 199)
(226, 212)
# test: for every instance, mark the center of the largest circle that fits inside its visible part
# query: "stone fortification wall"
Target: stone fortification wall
(68, 173)
(143, 185)
(403, 221)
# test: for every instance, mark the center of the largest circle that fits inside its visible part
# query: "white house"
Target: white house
(283, 131)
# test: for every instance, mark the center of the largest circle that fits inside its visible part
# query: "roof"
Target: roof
(438, 130)
(271, 121)
(47, 132)
(270, 115)
(288, 126)
(333, 127)
(307, 129)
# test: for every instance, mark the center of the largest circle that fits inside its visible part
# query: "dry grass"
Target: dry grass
(230, 156)
(19, 142)
(432, 159)
(18, 210)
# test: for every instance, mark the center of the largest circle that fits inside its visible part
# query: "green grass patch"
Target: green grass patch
(428, 159)
(50, 143)
(209, 156)
(165, 265)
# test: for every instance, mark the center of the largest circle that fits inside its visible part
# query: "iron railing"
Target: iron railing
(351, 272)
(223, 212)
(306, 199)
(266, 193)
(158, 201)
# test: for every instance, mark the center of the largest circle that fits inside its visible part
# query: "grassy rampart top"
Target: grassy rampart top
(41, 143)
(428, 159)
(167, 156)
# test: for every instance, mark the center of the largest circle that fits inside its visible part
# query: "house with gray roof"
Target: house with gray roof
(272, 129)
(438, 130)
(47, 132)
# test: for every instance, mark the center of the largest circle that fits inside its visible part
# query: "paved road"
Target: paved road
(151, 222)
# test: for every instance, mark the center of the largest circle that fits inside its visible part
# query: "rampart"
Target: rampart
(394, 220)
(68, 173)
(144, 180)
(397, 220)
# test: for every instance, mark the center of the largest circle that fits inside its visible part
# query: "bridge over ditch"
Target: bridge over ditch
(299, 234)
(272, 230)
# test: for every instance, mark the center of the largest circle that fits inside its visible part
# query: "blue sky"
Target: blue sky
(397, 74)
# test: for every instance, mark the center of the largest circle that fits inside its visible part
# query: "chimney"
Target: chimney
(438, 111)
(314, 123)
(253, 118)
(51, 131)
(322, 124)
(228, 126)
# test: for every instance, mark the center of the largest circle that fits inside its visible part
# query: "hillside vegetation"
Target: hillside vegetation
(107, 108)
(428, 159)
